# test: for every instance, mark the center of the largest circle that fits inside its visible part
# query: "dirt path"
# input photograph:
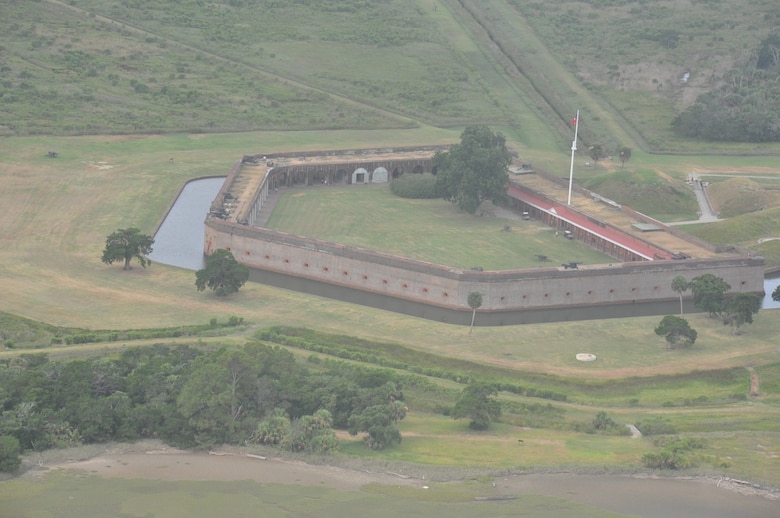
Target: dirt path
(754, 383)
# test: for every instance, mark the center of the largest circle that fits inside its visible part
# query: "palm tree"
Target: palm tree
(680, 285)
(475, 301)
(624, 153)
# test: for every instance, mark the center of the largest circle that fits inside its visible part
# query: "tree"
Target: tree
(596, 152)
(218, 394)
(274, 430)
(9, 453)
(739, 310)
(222, 273)
(313, 433)
(379, 422)
(475, 301)
(677, 331)
(603, 423)
(477, 402)
(709, 293)
(126, 243)
(680, 285)
(624, 153)
(776, 294)
(473, 170)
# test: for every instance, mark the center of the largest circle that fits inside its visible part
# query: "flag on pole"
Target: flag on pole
(574, 121)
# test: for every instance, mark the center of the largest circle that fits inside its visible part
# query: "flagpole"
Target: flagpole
(573, 149)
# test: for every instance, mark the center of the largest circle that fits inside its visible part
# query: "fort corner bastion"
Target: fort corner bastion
(641, 275)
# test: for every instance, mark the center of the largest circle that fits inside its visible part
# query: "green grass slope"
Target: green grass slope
(644, 190)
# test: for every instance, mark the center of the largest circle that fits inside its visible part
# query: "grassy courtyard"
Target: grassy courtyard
(428, 230)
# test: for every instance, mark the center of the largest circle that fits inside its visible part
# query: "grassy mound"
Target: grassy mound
(648, 192)
(737, 196)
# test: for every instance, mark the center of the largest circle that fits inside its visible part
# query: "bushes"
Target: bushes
(363, 351)
(676, 453)
(655, 426)
(415, 186)
(9, 453)
(168, 332)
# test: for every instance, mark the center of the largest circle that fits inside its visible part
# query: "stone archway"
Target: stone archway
(360, 175)
(379, 175)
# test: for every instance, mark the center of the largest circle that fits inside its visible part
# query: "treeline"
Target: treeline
(191, 398)
(746, 108)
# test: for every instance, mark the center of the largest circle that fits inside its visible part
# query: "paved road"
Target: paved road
(706, 214)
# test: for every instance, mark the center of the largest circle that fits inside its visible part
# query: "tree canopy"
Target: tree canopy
(676, 330)
(739, 310)
(125, 244)
(9, 453)
(223, 274)
(776, 294)
(194, 398)
(474, 170)
(596, 152)
(746, 107)
(477, 401)
(709, 293)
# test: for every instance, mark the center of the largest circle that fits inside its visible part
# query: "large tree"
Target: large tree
(709, 293)
(739, 310)
(473, 170)
(126, 243)
(222, 273)
(680, 285)
(379, 422)
(478, 402)
(676, 330)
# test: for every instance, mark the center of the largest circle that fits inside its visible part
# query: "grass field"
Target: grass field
(375, 219)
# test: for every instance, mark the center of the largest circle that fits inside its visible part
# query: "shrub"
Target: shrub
(416, 186)
(655, 426)
(9, 453)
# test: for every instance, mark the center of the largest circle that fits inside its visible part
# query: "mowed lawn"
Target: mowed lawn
(436, 231)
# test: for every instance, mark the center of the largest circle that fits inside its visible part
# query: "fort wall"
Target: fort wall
(439, 285)
(642, 272)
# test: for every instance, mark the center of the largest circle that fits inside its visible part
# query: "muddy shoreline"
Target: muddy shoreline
(645, 495)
